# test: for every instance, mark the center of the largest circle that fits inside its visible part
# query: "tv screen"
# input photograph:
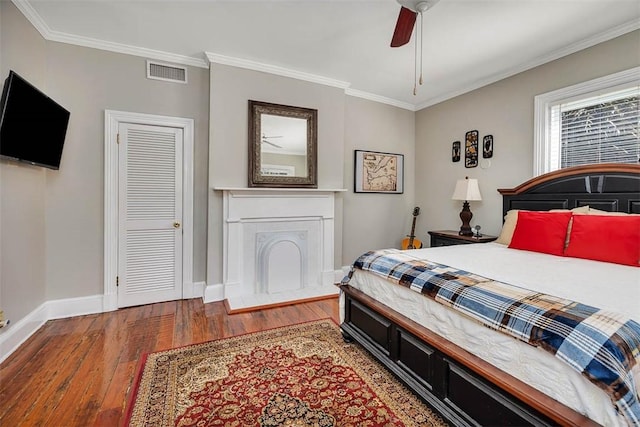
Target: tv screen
(32, 125)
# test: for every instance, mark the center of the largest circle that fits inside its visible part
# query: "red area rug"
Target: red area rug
(301, 375)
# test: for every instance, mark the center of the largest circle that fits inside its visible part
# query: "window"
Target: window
(592, 122)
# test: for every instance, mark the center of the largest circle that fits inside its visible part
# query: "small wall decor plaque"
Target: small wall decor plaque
(455, 151)
(471, 149)
(487, 147)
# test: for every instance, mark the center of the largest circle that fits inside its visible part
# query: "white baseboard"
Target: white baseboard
(213, 293)
(193, 290)
(69, 307)
(216, 292)
(13, 335)
(280, 298)
(198, 289)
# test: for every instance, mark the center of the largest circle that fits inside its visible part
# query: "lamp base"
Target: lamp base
(465, 216)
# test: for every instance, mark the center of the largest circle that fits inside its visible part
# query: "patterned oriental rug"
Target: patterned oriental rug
(301, 375)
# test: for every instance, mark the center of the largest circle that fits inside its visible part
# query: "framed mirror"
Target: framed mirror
(282, 146)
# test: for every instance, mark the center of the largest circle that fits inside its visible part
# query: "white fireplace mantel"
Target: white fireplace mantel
(281, 190)
(278, 245)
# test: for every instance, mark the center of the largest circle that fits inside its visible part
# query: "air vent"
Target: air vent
(166, 72)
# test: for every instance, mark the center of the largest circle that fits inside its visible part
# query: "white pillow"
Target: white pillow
(599, 212)
(509, 226)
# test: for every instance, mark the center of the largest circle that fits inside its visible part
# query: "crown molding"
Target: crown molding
(313, 78)
(381, 99)
(557, 54)
(58, 36)
(274, 69)
(174, 58)
(48, 34)
(32, 16)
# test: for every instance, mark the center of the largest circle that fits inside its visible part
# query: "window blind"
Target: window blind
(598, 129)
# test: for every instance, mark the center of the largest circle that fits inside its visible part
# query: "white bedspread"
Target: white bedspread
(604, 285)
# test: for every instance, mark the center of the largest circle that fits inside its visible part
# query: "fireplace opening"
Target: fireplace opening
(281, 261)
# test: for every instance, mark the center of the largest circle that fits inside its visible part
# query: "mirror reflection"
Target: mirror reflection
(282, 145)
(283, 149)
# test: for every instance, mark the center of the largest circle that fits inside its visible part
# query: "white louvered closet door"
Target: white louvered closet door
(150, 214)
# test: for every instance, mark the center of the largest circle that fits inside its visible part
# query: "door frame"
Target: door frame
(112, 120)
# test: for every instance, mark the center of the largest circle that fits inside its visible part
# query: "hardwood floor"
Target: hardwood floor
(78, 371)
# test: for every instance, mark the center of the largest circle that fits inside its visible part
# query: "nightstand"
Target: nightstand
(450, 237)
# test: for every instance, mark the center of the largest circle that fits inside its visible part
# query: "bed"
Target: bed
(473, 374)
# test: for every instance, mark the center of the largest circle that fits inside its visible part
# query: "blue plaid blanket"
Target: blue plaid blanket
(602, 345)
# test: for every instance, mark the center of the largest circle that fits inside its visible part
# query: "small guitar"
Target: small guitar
(410, 242)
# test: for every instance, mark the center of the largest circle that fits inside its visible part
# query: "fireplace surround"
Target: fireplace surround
(278, 245)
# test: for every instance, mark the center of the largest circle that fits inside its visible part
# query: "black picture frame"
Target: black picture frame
(487, 147)
(471, 149)
(455, 151)
(378, 172)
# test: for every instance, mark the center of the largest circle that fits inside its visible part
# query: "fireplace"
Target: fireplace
(282, 259)
(277, 246)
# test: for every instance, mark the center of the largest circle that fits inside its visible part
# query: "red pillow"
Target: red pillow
(541, 232)
(606, 238)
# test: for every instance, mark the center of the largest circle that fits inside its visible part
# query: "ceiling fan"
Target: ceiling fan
(265, 140)
(409, 10)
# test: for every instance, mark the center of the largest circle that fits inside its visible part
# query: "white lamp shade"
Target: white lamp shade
(466, 189)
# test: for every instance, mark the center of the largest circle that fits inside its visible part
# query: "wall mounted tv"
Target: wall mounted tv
(32, 125)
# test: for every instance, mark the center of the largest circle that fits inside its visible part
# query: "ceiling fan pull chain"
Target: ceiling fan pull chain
(415, 65)
(421, 44)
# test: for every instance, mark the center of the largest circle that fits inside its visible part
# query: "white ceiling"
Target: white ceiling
(467, 43)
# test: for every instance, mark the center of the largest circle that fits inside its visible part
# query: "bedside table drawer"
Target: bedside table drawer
(443, 241)
(450, 238)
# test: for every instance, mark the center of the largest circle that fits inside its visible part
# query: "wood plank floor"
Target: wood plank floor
(78, 371)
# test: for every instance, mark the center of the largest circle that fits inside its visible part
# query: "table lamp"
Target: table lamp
(466, 189)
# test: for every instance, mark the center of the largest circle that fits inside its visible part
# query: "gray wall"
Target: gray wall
(52, 221)
(377, 220)
(22, 187)
(345, 123)
(231, 89)
(505, 110)
(87, 82)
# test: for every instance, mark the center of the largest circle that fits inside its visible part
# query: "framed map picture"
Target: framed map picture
(377, 172)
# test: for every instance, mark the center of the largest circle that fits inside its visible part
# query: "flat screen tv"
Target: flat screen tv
(32, 125)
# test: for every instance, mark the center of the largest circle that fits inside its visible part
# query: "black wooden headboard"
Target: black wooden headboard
(611, 187)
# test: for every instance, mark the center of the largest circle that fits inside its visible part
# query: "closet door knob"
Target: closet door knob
(176, 224)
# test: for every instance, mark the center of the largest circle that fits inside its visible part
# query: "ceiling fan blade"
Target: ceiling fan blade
(271, 143)
(264, 136)
(404, 27)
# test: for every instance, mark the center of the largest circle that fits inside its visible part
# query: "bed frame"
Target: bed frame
(464, 389)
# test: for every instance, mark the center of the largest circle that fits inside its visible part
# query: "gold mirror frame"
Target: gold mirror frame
(256, 137)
